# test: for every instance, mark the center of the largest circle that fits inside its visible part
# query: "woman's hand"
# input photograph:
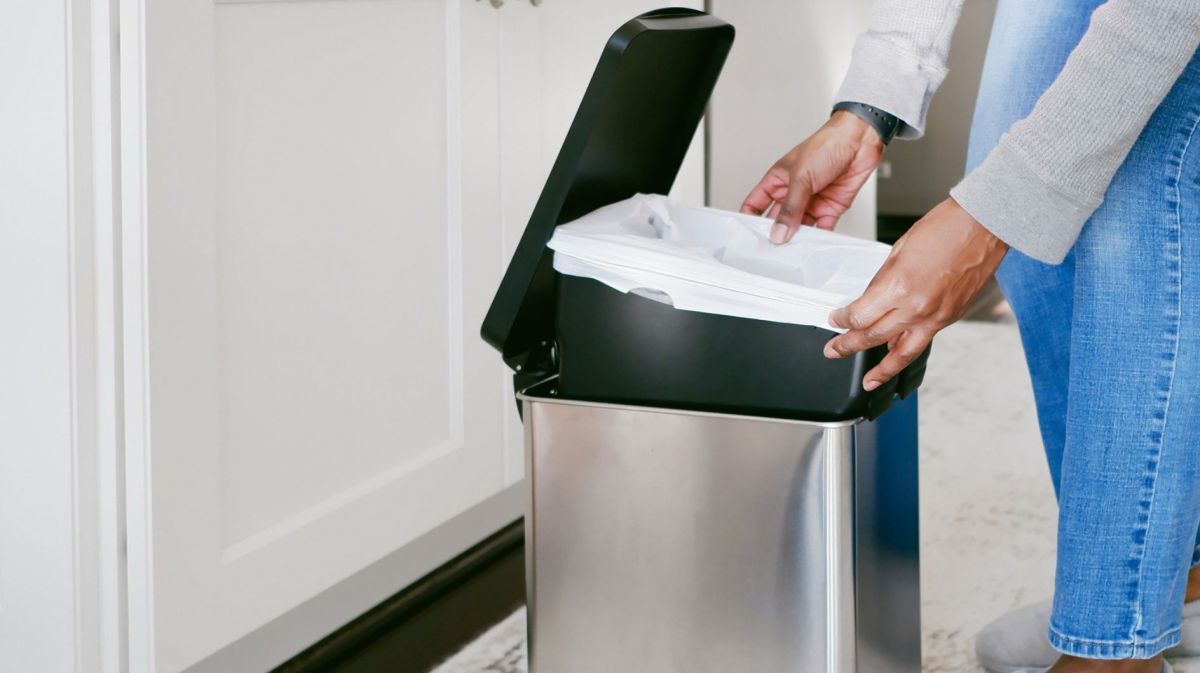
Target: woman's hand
(927, 283)
(817, 181)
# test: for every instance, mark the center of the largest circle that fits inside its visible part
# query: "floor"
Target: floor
(987, 508)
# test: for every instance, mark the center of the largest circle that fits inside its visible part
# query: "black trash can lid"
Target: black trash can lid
(629, 136)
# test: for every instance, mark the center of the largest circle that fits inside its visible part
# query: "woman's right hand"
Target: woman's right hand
(817, 181)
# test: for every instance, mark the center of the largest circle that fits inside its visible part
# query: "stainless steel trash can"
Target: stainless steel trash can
(663, 541)
(707, 493)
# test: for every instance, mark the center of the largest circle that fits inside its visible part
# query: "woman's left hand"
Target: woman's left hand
(927, 283)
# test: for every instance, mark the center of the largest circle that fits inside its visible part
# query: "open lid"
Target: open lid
(630, 134)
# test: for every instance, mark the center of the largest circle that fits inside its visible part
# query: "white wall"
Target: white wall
(787, 62)
(923, 171)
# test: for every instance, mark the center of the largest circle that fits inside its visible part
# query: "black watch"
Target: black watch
(885, 124)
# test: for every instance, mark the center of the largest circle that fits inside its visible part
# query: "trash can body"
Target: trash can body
(663, 541)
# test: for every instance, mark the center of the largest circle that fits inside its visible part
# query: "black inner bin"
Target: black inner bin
(623, 348)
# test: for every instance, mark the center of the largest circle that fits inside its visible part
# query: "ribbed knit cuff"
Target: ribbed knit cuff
(1023, 210)
(893, 80)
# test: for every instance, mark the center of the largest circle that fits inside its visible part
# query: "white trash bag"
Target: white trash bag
(715, 261)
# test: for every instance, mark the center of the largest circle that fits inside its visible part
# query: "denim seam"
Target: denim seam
(1178, 205)
(1175, 277)
(1112, 643)
(1112, 649)
(1140, 551)
(1178, 177)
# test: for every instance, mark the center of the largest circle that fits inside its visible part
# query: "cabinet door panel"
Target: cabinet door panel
(318, 396)
(331, 272)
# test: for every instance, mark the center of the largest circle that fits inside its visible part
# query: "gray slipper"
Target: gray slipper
(1016, 642)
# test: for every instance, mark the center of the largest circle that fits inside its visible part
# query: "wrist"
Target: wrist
(887, 125)
(991, 242)
(858, 130)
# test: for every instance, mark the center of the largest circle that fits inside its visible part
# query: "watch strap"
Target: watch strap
(885, 124)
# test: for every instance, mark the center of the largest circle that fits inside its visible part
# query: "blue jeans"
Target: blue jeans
(1112, 341)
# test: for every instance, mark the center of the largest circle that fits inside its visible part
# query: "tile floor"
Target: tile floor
(987, 509)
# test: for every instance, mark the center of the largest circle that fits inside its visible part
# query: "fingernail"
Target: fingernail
(871, 385)
(778, 233)
(830, 352)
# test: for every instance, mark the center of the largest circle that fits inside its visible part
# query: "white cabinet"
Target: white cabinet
(308, 293)
(318, 201)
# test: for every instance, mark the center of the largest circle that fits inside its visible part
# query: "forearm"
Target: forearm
(1051, 170)
(900, 61)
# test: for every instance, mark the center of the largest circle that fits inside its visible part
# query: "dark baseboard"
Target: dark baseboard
(418, 628)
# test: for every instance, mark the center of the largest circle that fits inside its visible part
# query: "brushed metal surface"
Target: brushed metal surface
(887, 577)
(838, 452)
(663, 541)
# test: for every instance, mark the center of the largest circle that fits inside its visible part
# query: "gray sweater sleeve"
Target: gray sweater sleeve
(1050, 171)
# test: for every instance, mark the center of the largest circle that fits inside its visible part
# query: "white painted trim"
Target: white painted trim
(513, 456)
(108, 512)
(95, 394)
(135, 370)
(80, 322)
(505, 378)
(454, 217)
